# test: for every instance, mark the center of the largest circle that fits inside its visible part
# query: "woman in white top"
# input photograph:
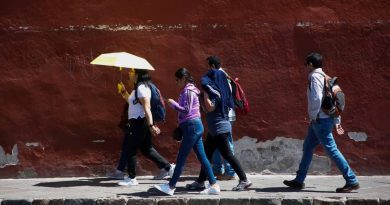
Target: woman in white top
(140, 128)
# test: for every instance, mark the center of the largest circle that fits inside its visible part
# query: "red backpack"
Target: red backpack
(241, 104)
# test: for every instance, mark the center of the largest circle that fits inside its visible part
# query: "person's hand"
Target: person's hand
(170, 101)
(155, 130)
(339, 129)
(121, 88)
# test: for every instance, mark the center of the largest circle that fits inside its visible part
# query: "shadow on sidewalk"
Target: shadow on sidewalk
(80, 182)
(153, 192)
(287, 189)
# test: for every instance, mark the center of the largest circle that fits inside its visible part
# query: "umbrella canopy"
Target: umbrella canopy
(122, 60)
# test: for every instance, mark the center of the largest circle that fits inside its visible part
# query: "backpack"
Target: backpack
(157, 105)
(333, 101)
(241, 104)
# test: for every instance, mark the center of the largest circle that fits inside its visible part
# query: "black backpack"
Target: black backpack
(157, 105)
(333, 101)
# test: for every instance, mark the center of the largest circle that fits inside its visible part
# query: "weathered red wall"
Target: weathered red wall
(49, 93)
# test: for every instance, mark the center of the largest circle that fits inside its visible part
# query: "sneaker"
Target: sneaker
(225, 177)
(348, 188)
(164, 173)
(195, 186)
(116, 175)
(165, 188)
(128, 182)
(171, 170)
(211, 190)
(294, 184)
(242, 185)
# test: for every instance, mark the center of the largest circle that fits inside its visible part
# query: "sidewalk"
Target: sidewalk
(266, 189)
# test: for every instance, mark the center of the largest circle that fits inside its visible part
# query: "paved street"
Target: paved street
(374, 188)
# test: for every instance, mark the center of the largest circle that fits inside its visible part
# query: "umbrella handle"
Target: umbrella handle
(120, 87)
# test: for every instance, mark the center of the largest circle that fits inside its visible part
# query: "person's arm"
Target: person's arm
(337, 125)
(209, 105)
(123, 92)
(145, 102)
(201, 102)
(187, 102)
(315, 96)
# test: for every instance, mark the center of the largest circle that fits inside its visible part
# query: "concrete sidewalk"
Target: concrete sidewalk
(266, 189)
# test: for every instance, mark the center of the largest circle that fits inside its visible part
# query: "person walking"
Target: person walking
(217, 100)
(221, 167)
(119, 172)
(190, 123)
(320, 130)
(141, 127)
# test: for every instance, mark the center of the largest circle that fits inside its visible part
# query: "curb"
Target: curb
(199, 201)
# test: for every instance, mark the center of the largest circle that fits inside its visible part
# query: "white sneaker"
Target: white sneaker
(211, 190)
(171, 170)
(128, 182)
(165, 188)
(164, 173)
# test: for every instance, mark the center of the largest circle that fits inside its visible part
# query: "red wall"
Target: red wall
(49, 93)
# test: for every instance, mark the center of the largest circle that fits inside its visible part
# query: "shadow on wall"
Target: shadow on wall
(281, 155)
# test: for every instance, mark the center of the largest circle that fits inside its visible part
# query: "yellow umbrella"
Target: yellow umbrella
(122, 60)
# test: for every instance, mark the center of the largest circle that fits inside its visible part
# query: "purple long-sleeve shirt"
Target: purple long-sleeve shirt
(188, 106)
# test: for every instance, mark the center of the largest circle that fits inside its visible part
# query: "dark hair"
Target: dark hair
(214, 60)
(184, 73)
(142, 76)
(315, 59)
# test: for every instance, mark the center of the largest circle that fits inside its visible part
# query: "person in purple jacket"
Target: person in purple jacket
(190, 123)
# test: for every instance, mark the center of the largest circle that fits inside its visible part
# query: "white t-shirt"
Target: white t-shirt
(137, 110)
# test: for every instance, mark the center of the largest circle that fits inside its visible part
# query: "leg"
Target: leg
(309, 145)
(135, 138)
(210, 146)
(324, 133)
(228, 168)
(224, 148)
(148, 150)
(124, 152)
(217, 163)
(202, 157)
(189, 139)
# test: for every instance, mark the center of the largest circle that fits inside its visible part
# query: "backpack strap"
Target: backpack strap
(136, 100)
(325, 80)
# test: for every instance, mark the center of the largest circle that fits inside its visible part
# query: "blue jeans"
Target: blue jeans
(192, 139)
(221, 166)
(321, 133)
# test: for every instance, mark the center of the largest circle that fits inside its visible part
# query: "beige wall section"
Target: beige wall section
(280, 155)
(9, 159)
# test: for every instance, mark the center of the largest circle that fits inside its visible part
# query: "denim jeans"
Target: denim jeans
(192, 139)
(321, 133)
(221, 166)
